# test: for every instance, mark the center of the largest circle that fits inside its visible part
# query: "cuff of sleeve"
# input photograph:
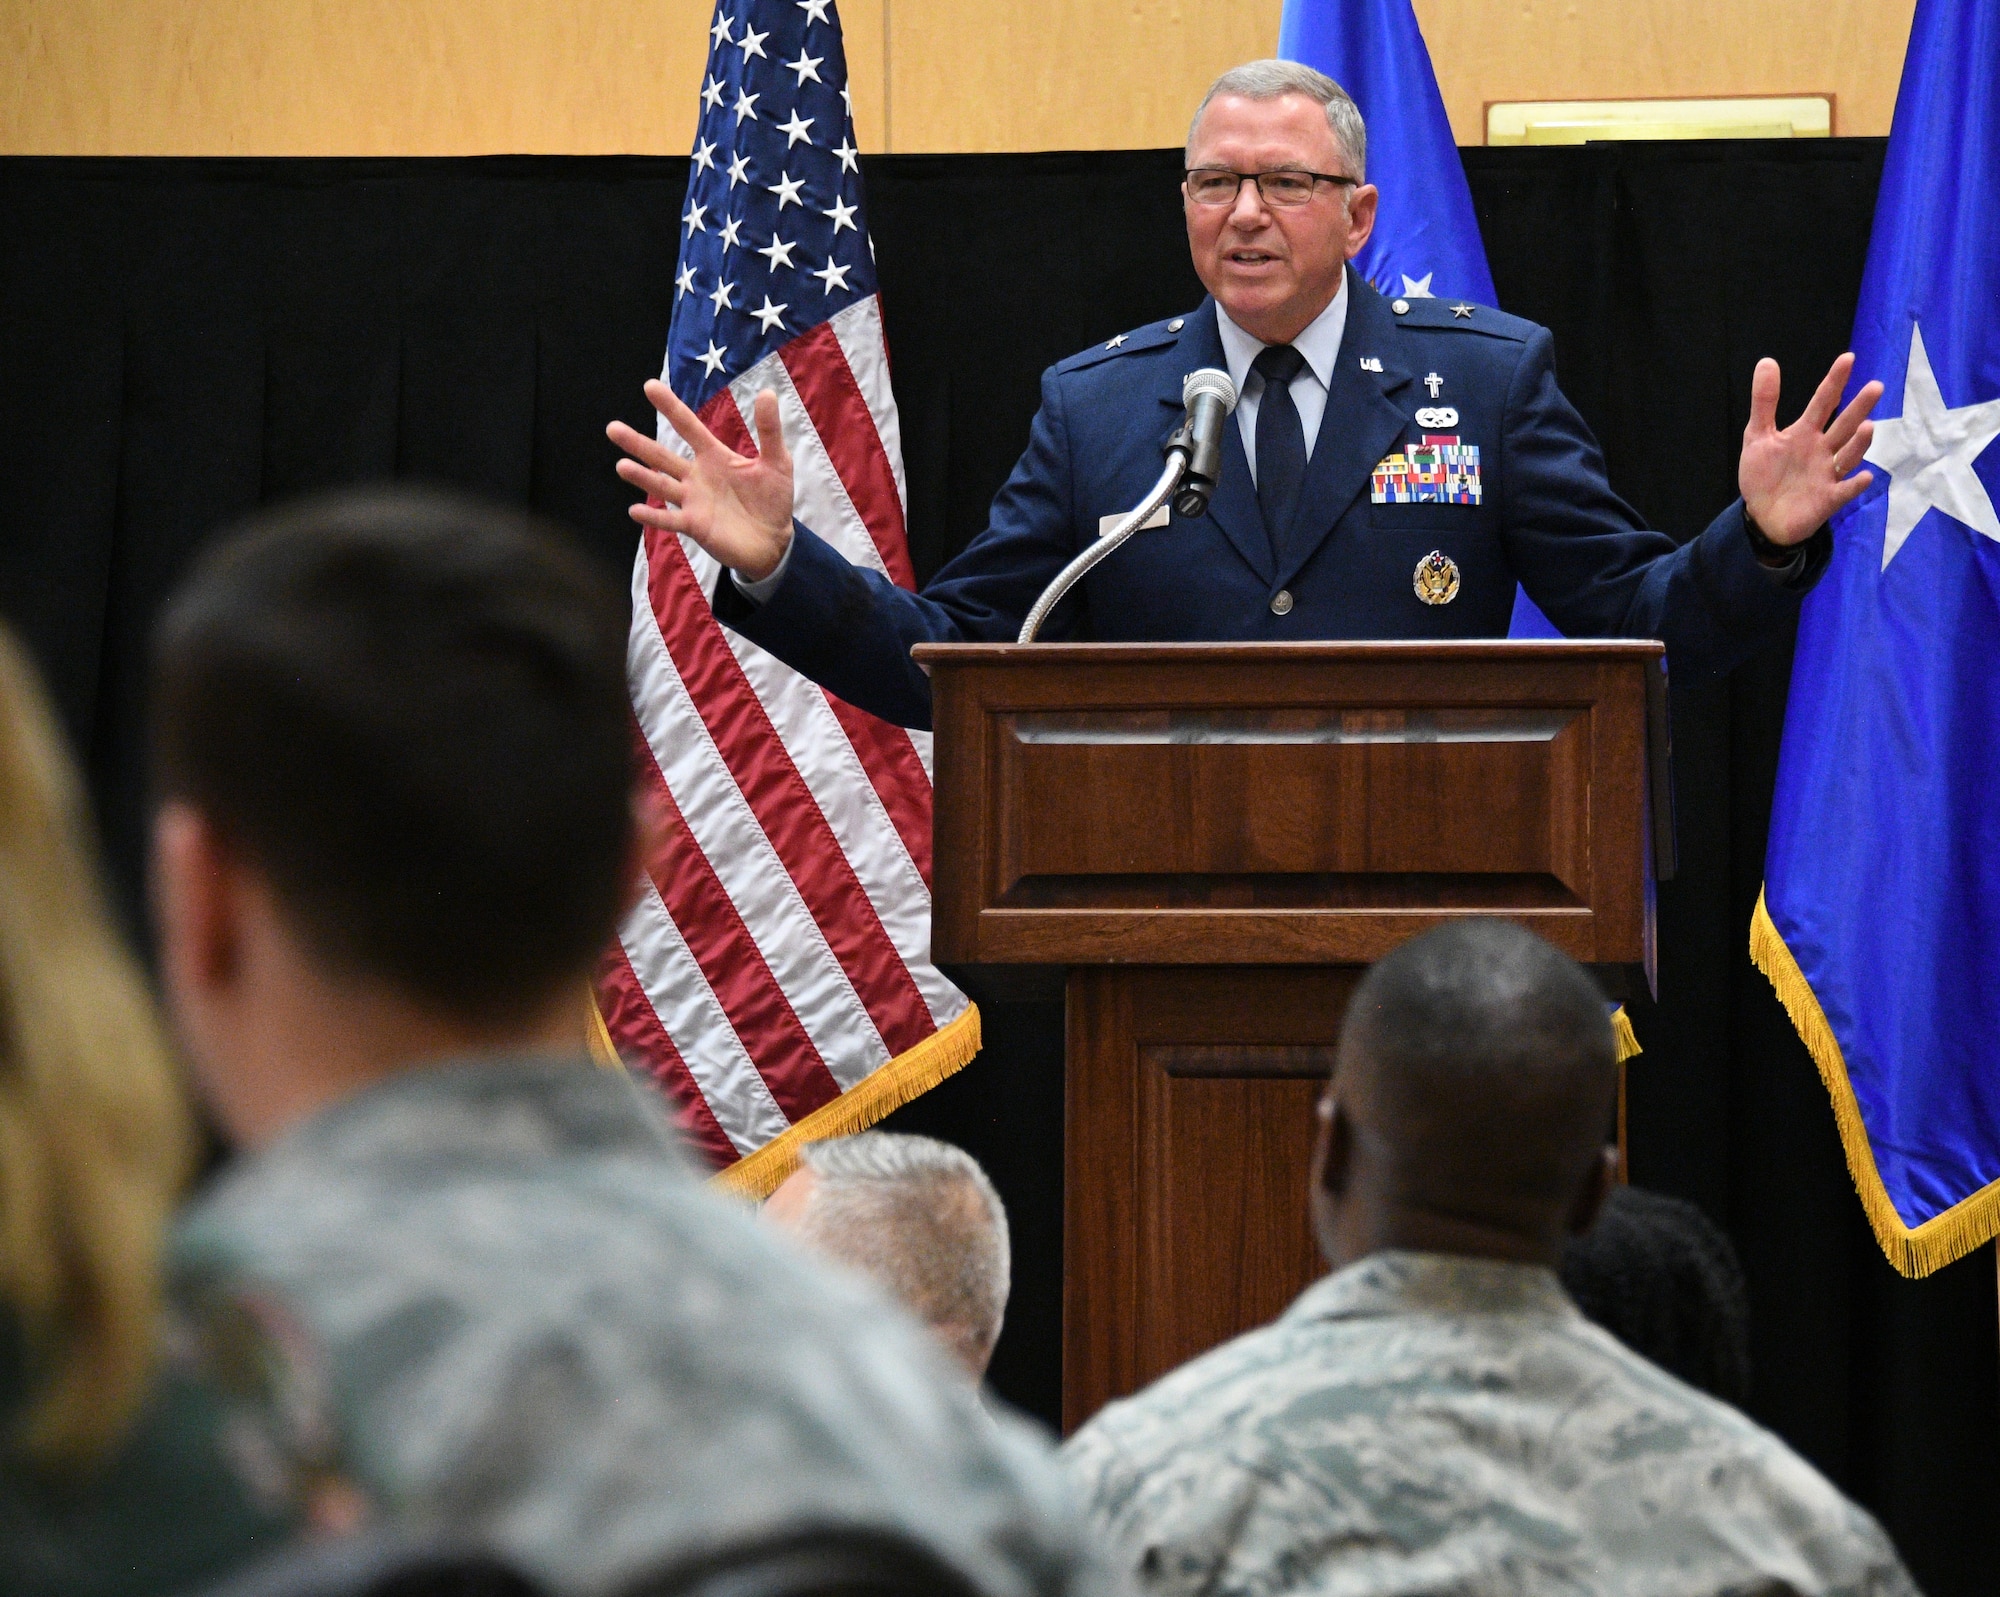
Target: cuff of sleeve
(1797, 567)
(762, 589)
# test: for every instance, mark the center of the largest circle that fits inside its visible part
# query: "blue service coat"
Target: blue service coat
(1545, 517)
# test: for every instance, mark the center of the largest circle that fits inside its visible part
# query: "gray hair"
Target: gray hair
(1267, 80)
(922, 1219)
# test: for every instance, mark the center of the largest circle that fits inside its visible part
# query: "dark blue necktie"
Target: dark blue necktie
(1281, 444)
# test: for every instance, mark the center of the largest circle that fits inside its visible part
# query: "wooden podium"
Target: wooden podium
(1206, 844)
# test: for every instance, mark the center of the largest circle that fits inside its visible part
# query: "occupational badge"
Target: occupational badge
(1437, 578)
(1438, 471)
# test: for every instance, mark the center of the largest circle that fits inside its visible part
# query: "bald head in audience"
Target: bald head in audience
(917, 1216)
(1468, 1109)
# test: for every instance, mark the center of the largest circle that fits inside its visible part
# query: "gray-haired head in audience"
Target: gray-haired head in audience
(919, 1217)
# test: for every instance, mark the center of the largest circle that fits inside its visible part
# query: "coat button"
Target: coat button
(1281, 602)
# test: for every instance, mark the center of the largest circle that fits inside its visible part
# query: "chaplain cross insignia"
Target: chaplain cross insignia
(1434, 383)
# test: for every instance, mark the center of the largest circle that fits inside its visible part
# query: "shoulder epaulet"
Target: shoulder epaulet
(1155, 335)
(1459, 315)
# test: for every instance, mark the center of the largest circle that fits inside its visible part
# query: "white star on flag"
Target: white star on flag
(843, 215)
(720, 32)
(778, 252)
(753, 43)
(714, 358)
(704, 156)
(711, 93)
(721, 295)
(796, 129)
(787, 190)
(847, 153)
(746, 105)
(1928, 452)
(815, 10)
(833, 276)
(1418, 287)
(684, 282)
(739, 170)
(769, 315)
(732, 233)
(694, 220)
(807, 66)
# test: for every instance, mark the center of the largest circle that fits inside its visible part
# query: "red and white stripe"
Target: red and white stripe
(779, 950)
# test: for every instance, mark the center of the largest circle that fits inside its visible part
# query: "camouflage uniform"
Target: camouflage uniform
(1419, 1423)
(491, 1298)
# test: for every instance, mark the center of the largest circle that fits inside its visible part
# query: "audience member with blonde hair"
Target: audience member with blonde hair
(110, 1479)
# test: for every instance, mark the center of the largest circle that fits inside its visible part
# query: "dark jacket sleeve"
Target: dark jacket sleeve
(1597, 571)
(851, 629)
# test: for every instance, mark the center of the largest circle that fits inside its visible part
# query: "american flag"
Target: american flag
(774, 975)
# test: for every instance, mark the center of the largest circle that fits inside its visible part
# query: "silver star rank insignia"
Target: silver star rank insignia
(1461, 310)
(1116, 342)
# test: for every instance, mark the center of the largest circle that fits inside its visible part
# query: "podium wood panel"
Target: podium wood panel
(1285, 803)
(1214, 841)
(1188, 1146)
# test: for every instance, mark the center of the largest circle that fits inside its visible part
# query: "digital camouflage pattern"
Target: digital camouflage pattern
(491, 1298)
(1424, 1424)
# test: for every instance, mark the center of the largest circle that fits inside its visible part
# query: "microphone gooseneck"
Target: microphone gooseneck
(1194, 462)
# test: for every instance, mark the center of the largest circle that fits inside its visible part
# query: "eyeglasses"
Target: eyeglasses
(1217, 185)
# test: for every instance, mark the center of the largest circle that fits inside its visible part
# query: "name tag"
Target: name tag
(1157, 519)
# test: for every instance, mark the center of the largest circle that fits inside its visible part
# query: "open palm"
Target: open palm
(1793, 480)
(737, 507)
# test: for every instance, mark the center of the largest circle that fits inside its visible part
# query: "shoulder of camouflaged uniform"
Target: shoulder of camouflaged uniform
(1422, 1424)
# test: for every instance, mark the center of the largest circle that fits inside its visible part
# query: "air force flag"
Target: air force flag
(1426, 240)
(1880, 920)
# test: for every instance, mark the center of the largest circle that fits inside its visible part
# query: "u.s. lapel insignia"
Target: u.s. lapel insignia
(1369, 363)
(1437, 578)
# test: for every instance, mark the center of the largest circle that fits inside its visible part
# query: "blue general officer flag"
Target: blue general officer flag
(1880, 919)
(1426, 241)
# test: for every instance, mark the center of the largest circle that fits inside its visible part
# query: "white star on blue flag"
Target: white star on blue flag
(776, 131)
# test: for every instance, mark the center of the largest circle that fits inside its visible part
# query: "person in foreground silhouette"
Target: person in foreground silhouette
(1437, 1416)
(466, 1274)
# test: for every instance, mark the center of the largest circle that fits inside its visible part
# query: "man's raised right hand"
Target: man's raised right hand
(738, 508)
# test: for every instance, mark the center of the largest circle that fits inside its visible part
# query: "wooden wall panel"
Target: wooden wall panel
(1062, 74)
(438, 77)
(370, 77)
(1628, 49)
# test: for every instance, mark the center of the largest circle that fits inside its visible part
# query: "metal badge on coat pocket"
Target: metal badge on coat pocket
(1436, 580)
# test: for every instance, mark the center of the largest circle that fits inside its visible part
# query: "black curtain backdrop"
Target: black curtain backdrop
(182, 340)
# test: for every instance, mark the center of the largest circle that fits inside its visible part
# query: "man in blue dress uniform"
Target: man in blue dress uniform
(1392, 469)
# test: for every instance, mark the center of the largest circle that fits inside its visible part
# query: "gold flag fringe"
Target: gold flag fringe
(601, 1047)
(909, 1075)
(1623, 1034)
(1914, 1251)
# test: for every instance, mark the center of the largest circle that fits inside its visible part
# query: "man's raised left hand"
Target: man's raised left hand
(1793, 480)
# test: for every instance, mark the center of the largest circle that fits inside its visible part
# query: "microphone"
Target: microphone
(1209, 396)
